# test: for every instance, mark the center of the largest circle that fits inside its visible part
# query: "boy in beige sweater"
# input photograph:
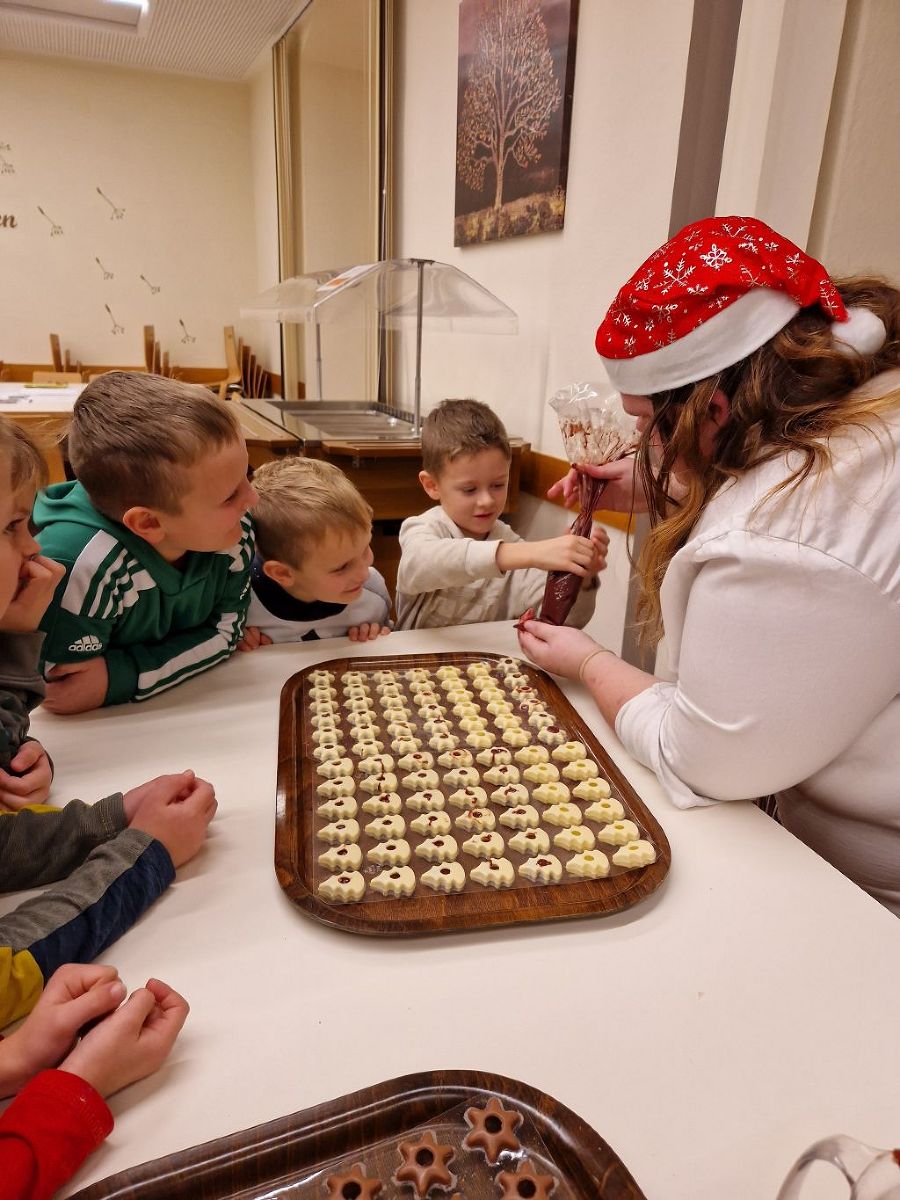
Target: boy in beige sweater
(459, 562)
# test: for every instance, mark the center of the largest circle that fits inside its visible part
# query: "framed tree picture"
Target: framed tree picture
(514, 110)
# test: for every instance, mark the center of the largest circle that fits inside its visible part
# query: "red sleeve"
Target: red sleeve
(47, 1132)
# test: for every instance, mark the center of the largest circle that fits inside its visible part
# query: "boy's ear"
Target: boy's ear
(144, 523)
(279, 571)
(430, 484)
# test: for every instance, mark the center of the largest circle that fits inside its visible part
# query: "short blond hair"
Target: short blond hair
(133, 437)
(302, 501)
(458, 427)
(26, 463)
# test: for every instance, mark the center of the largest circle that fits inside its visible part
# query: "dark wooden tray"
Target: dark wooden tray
(297, 849)
(293, 1149)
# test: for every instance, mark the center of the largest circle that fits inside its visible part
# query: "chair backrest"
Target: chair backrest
(57, 377)
(56, 352)
(232, 363)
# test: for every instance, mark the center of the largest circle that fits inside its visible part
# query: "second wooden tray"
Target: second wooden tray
(293, 1155)
(297, 848)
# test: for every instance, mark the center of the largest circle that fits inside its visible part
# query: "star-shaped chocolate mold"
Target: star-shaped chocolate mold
(492, 1129)
(525, 1184)
(353, 1185)
(424, 1164)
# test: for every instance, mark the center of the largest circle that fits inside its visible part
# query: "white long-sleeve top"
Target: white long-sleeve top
(446, 577)
(782, 624)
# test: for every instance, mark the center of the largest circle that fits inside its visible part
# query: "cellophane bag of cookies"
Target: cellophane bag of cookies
(595, 430)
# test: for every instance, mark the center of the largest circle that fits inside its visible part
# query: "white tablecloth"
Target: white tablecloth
(17, 398)
(710, 1034)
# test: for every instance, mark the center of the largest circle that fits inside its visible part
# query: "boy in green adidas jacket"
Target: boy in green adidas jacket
(155, 538)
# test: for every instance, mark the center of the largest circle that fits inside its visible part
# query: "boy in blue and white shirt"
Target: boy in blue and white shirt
(312, 576)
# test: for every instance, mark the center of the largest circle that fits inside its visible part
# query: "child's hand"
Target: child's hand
(32, 779)
(75, 994)
(367, 633)
(37, 583)
(132, 1042)
(566, 553)
(174, 809)
(182, 782)
(600, 538)
(253, 638)
(76, 687)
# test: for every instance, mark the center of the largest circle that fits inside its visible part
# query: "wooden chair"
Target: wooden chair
(56, 352)
(151, 350)
(234, 377)
(57, 377)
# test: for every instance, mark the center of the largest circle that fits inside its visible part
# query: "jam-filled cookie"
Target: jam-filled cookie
(347, 888)
(395, 881)
(425, 802)
(574, 837)
(445, 877)
(592, 864)
(618, 833)
(483, 845)
(430, 824)
(639, 853)
(543, 868)
(389, 854)
(341, 858)
(494, 872)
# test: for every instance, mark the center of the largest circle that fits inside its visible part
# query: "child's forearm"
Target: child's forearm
(512, 556)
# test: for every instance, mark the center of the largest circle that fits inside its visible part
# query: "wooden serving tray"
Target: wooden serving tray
(295, 1154)
(296, 824)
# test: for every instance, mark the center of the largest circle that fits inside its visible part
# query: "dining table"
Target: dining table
(744, 1010)
(47, 410)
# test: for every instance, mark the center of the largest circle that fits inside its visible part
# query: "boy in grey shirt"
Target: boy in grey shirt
(459, 562)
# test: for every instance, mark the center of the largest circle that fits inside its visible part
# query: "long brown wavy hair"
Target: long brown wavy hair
(793, 394)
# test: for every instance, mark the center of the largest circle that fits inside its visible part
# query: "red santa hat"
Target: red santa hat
(713, 294)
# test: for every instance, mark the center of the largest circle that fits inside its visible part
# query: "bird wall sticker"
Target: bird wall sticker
(188, 337)
(55, 230)
(116, 327)
(106, 274)
(154, 289)
(6, 167)
(117, 213)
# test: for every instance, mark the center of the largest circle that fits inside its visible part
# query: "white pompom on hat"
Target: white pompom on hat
(713, 294)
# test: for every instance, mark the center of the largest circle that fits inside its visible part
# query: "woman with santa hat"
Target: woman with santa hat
(768, 400)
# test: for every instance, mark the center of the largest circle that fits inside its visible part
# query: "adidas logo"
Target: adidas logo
(87, 644)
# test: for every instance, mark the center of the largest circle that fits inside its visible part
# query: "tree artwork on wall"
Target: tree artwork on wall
(154, 287)
(186, 337)
(514, 109)
(107, 274)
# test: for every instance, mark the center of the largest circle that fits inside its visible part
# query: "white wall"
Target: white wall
(174, 153)
(629, 84)
(784, 70)
(855, 225)
(263, 336)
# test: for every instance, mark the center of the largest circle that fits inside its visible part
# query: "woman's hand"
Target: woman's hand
(620, 493)
(556, 648)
